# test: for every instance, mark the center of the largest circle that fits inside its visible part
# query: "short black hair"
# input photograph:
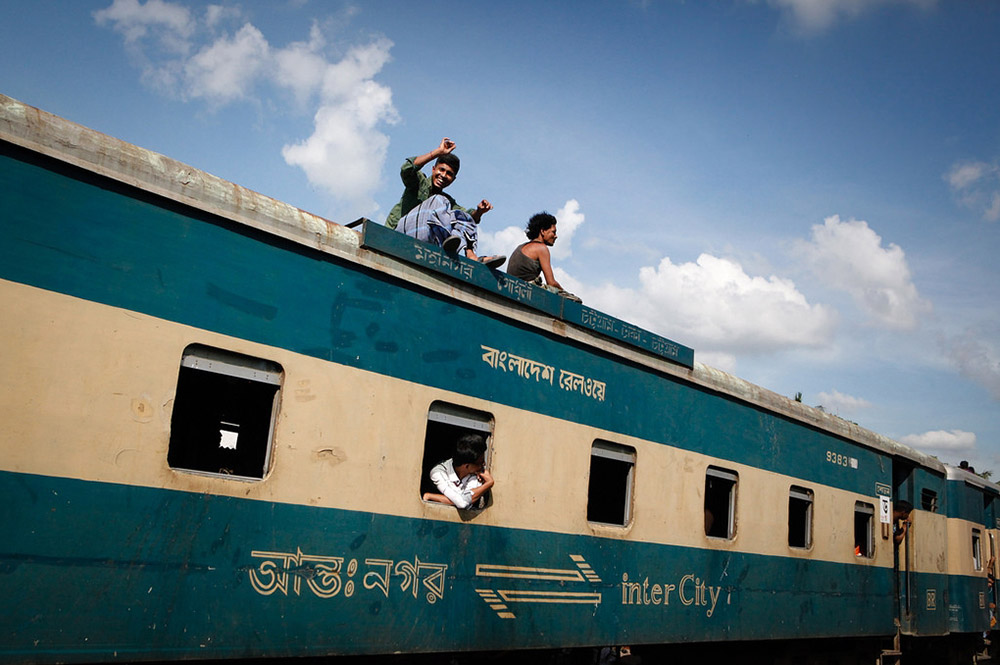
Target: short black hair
(902, 506)
(468, 449)
(451, 159)
(538, 223)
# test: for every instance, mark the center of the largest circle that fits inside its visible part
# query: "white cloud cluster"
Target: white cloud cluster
(849, 255)
(195, 59)
(716, 306)
(951, 441)
(816, 15)
(838, 403)
(976, 185)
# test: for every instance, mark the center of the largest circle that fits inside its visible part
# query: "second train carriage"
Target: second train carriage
(219, 413)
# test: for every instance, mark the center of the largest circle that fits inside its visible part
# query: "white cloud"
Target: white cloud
(344, 155)
(838, 403)
(976, 185)
(134, 21)
(570, 219)
(816, 15)
(717, 307)
(849, 256)
(226, 70)
(955, 440)
(976, 354)
(346, 151)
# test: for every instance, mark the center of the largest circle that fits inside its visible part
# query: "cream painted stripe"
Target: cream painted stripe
(960, 552)
(96, 405)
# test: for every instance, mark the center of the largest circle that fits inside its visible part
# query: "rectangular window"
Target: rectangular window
(720, 502)
(446, 424)
(977, 551)
(929, 500)
(800, 513)
(224, 413)
(864, 521)
(612, 472)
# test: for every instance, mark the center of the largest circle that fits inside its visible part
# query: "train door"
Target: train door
(902, 491)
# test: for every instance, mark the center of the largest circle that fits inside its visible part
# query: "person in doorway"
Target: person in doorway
(900, 520)
(462, 480)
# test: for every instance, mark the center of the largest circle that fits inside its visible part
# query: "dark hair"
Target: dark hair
(538, 223)
(451, 159)
(468, 449)
(902, 506)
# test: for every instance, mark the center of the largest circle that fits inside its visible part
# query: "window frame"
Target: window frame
(202, 364)
(615, 452)
(732, 477)
(807, 496)
(444, 424)
(867, 509)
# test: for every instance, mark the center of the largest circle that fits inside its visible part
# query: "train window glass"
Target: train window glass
(977, 551)
(446, 424)
(720, 502)
(800, 513)
(224, 413)
(864, 520)
(612, 472)
(929, 500)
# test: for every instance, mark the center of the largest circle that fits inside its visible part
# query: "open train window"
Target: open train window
(800, 515)
(929, 500)
(864, 522)
(224, 413)
(446, 423)
(720, 502)
(977, 550)
(612, 472)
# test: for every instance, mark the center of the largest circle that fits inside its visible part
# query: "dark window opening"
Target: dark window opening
(446, 423)
(720, 502)
(929, 500)
(224, 413)
(977, 552)
(800, 504)
(864, 519)
(609, 494)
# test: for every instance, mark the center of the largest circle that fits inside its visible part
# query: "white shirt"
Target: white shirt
(458, 490)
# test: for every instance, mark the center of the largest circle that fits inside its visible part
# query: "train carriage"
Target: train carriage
(220, 413)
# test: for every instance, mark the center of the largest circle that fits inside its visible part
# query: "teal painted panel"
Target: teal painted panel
(609, 326)
(388, 241)
(967, 502)
(968, 601)
(927, 612)
(92, 569)
(73, 233)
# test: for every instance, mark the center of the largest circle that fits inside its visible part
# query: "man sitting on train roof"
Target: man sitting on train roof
(463, 479)
(417, 188)
(530, 261)
(435, 221)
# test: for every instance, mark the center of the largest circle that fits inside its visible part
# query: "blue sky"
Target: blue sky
(807, 192)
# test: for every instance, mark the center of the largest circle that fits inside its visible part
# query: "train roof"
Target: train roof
(970, 478)
(380, 249)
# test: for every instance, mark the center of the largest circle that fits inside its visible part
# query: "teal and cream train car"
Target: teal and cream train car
(219, 413)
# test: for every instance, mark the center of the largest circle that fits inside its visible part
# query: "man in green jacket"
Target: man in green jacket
(417, 188)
